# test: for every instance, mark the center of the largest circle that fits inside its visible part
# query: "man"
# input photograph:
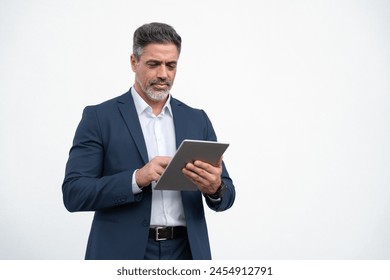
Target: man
(120, 149)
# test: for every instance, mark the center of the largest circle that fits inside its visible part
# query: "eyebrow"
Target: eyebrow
(160, 61)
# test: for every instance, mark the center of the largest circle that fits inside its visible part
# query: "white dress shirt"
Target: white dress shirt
(159, 135)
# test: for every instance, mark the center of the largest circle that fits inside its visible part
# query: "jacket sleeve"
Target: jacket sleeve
(228, 197)
(85, 188)
(230, 193)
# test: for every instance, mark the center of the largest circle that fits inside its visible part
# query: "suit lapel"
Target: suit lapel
(127, 108)
(179, 119)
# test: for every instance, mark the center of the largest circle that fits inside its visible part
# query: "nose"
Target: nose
(162, 72)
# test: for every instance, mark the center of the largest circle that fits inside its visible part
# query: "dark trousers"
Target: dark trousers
(175, 249)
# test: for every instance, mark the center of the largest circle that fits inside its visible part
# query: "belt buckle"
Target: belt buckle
(157, 238)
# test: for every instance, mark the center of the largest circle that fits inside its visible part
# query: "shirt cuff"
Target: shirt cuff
(214, 200)
(134, 187)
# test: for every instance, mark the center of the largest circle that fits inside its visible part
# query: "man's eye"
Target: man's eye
(152, 64)
(171, 65)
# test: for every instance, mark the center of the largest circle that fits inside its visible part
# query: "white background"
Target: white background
(300, 89)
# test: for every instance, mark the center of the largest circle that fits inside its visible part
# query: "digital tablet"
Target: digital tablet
(189, 151)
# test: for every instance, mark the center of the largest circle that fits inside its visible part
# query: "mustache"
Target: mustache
(161, 82)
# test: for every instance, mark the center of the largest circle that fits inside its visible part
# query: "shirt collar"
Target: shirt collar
(141, 106)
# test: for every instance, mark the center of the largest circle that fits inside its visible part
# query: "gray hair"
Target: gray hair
(154, 32)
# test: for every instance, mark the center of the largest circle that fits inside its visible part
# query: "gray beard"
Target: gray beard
(157, 96)
(154, 95)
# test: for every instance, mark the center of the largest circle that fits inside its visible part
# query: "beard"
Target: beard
(156, 94)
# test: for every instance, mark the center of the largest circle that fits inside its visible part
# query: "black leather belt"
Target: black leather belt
(167, 233)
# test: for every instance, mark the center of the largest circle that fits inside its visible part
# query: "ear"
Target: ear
(133, 62)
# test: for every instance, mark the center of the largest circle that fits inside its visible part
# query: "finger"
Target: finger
(206, 170)
(195, 178)
(219, 164)
(197, 171)
(200, 175)
(190, 173)
(159, 169)
(161, 161)
(164, 160)
(209, 167)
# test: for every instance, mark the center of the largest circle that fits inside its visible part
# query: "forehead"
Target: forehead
(161, 52)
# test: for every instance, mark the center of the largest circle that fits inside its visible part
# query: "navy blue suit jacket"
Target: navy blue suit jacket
(108, 147)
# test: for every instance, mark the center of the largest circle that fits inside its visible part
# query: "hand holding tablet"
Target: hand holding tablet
(189, 151)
